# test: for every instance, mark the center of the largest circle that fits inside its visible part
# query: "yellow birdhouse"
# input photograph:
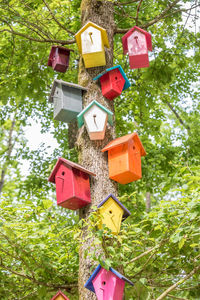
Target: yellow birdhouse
(112, 213)
(91, 40)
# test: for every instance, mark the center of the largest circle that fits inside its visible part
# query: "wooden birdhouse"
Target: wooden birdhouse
(137, 42)
(107, 285)
(72, 184)
(112, 213)
(67, 100)
(95, 117)
(124, 158)
(91, 40)
(59, 58)
(60, 296)
(113, 82)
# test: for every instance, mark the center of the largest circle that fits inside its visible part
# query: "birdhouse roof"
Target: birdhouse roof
(67, 163)
(94, 102)
(126, 211)
(127, 82)
(123, 140)
(63, 83)
(53, 49)
(125, 37)
(89, 284)
(59, 293)
(88, 24)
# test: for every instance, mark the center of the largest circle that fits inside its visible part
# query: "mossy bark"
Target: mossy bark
(90, 155)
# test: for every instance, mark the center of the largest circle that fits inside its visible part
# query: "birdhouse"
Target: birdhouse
(124, 158)
(91, 40)
(72, 184)
(113, 82)
(137, 42)
(107, 284)
(67, 100)
(60, 296)
(95, 117)
(59, 58)
(112, 213)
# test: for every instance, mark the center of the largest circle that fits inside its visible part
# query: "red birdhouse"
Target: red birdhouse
(59, 58)
(124, 158)
(137, 42)
(72, 184)
(60, 296)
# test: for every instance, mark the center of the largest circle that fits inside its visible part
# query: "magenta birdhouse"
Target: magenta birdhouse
(59, 58)
(107, 284)
(72, 184)
(137, 42)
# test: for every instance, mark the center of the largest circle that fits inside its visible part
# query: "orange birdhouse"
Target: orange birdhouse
(60, 296)
(124, 158)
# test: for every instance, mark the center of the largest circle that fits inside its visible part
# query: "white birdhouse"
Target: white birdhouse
(95, 117)
(91, 40)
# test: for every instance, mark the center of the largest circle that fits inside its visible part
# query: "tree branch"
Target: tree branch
(125, 3)
(137, 13)
(67, 42)
(176, 114)
(171, 288)
(163, 15)
(141, 255)
(56, 20)
(173, 297)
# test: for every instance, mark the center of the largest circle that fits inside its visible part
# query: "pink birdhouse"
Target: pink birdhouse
(107, 284)
(72, 184)
(60, 296)
(59, 58)
(137, 42)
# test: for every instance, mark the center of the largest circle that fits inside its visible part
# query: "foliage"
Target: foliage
(39, 241)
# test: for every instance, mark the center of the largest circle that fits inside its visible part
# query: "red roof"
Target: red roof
(125, 37)
(125, 139)
(59, 293)
(67, 163)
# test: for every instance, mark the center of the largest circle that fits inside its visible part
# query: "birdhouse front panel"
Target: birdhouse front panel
(111, 215)
(108, 286)
(124, 158)
(92, 48)
(112, 84)
(96, 120)
(137, 50)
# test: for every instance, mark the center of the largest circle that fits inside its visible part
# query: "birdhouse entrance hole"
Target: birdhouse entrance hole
(103, 283)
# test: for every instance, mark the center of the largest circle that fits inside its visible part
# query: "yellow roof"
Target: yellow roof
(88, 24)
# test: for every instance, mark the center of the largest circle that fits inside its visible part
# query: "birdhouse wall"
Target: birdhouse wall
(72, 188)
(60, 298)
(125, 163)
(139, 61)
(96, 121)
(108, 286)
(60, 61)
(111, 215)
(112, 84)
(67, 103)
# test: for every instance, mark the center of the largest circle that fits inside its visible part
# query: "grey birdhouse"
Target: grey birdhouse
(67, 100)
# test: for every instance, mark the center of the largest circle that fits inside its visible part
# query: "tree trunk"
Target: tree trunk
(90, 155)
(148, 201)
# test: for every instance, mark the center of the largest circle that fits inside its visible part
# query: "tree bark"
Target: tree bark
(148, 201)
(90, 155)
